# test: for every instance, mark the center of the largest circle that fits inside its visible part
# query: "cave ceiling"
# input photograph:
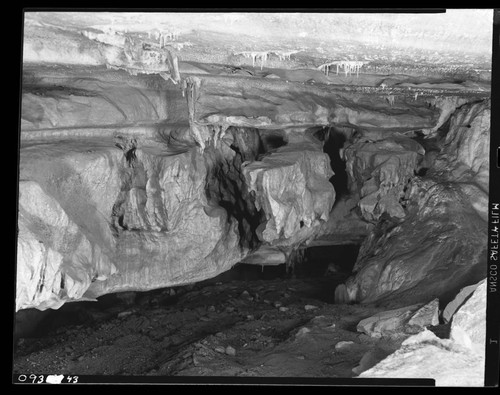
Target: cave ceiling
(455, 39)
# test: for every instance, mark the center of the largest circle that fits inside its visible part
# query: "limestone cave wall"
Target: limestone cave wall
(139, 171)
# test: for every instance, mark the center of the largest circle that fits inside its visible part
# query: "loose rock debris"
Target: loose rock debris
(265, 328)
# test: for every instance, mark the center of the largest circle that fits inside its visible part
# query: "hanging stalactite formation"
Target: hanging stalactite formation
(348, 66)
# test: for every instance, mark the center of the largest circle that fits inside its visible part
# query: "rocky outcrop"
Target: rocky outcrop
(458, 361)
(447, 105)
(291, 187)
(94, 220)
(379, 172)
(465, 154)
(139, 211)
(267, 104)
(402, 321)
(443, 234)
(53, 100)
(441, 237)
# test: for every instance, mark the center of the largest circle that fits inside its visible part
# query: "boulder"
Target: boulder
(426, 316)
(389, 323)
(468, 325)
(343, 345)
(426, 356)
(401, 322)
(458, 361)
(291, 186)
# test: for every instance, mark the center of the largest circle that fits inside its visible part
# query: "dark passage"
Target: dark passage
(332, 148)
(333, 260)
(334, 141)
(325, 267)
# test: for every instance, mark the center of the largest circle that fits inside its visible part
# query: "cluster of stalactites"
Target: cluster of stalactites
(348, 66)
(264, 55)
(163, 36)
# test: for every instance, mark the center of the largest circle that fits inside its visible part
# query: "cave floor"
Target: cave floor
(260, 328)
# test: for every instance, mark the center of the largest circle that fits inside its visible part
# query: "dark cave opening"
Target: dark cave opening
(271, 141)
(335, 261)
(325, 267)
(334, 141)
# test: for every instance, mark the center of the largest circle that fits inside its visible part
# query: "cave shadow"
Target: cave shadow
(332, 148)
(325, 267)
(333, 142)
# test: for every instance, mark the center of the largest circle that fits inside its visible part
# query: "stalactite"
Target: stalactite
(263, 59)
(264, 56)
(283, 55)
(348, 66)
(253, 59)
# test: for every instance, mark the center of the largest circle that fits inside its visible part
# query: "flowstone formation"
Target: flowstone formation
(153, 157)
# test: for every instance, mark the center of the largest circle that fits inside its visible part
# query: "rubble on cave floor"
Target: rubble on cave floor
(260, 328)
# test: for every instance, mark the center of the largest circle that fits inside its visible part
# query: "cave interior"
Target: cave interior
(196, 163)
